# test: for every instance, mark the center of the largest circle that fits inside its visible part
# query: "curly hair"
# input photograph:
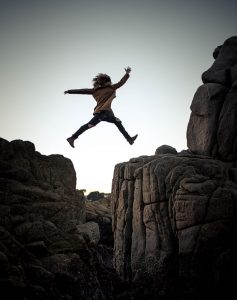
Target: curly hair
(101, 80)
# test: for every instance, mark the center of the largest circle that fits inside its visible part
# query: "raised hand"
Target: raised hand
(127, 70)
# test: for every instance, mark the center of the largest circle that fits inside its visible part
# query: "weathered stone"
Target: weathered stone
(101, 214)
(180, 204)
(91, 231)
(48, 172)
(227, 132)
(165, 149)
(223, 69)
(212, 126)
(46, 252)
(204, 120)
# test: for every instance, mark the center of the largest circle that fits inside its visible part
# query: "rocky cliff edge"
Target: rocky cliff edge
(47, 249)
(174, 214)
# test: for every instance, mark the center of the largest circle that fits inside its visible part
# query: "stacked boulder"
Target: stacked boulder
(174, 214)
(212, 128)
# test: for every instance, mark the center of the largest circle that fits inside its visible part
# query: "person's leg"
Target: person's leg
(110, 117)
(93, 122)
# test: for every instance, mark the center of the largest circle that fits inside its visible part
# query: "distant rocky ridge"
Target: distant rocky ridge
(174, 214)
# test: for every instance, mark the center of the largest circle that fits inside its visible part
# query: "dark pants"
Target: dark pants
(104, 115)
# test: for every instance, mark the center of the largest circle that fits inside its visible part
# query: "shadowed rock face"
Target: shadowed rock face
(174, 220)
(44, 186)
(174, 214)
(47, 251)
(212, 127)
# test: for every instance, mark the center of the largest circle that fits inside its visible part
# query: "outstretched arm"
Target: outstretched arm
(80, 91)
(123, 80)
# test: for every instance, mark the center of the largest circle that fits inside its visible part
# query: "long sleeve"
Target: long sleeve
(80, 91)
(121, 82)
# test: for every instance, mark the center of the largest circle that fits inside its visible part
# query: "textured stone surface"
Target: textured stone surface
(223, 70)
(227, 133)
(36, 186)
(101, 214)
(91, 231)
(204, 120)
(47, 249)
(212, 127)
(172, 215)
(165, 149)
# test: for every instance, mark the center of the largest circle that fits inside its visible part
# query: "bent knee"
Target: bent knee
(118, 120)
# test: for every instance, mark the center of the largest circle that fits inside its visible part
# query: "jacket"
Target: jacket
(102, 95)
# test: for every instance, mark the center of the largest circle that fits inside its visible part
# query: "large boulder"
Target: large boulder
(47, 249)
(100, 212)
(224, 68)
(174, 221)
(212, 127)
(174, 214)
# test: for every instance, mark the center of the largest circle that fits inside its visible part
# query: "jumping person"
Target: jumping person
(103, 92)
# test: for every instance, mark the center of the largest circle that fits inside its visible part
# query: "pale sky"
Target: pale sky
(49, 46)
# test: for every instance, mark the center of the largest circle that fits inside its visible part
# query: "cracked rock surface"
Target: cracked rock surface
(174, 214)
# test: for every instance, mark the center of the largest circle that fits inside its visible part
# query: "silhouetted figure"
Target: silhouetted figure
(103, 92)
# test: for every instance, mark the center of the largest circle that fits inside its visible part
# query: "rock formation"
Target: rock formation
(47, 249)
(212, 127)
(174, 214)
(99, 213)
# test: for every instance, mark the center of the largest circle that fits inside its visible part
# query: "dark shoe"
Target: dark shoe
(71, 141)
(132, 139)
